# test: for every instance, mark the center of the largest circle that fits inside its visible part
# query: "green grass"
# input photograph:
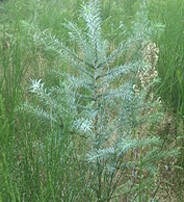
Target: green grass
(36, 164)
(171, 41)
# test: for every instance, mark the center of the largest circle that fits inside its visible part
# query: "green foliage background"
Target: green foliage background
(29, 172)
